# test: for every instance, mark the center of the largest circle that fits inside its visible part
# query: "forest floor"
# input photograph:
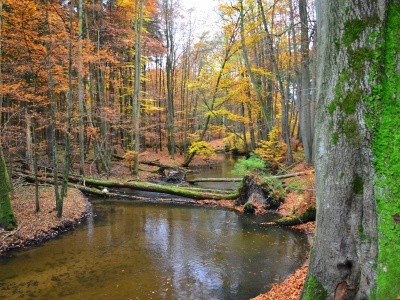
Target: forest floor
(34, 228)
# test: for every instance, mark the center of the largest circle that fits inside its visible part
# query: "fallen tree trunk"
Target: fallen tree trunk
(236, 179)
(293, 174)
(215, 180)
(159, 188)
(192, 193)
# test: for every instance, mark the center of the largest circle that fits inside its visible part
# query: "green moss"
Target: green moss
(248, 208)
(363, 237)
(313, 289)
(351, 131)
(335, 138)
(352, 30)
(383, 121)
(358, 58)
(308, 215)
(332, 107)
(358, 185)
(7, 219)
(350, 101)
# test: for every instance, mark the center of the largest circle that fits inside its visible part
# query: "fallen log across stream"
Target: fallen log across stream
(237, 179)
(96, 186)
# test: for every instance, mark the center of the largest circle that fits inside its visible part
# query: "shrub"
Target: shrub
(274, 188)
(253, 164)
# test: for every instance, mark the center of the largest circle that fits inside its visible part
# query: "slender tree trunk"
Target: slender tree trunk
(80, 91)
(53, 112)
(168, 31)
(357, 250)
(7, 219)
(28, 137)
(35, 165)
(136, 92)
(306, 94)
(68, 149)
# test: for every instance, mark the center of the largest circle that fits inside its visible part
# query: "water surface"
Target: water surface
(149, 251)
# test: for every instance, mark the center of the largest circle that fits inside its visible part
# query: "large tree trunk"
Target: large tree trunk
(356, 251)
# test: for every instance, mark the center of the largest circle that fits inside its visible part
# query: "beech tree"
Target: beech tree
(356, 251)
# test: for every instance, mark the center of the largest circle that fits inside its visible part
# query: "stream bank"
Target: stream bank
(36, 228)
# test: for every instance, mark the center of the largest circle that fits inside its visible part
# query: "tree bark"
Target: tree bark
(80, 91)
(356, 250)
(306, 118)
(136, 93)
(7, 219)
(98, 184)
(168, 31)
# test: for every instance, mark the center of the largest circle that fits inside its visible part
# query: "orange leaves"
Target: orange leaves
(130, 157)
(290, 289)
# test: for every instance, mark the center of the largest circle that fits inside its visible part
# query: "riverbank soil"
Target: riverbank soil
(301, 195)
(34, 228)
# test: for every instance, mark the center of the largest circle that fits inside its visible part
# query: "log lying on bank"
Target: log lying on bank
(89, 183)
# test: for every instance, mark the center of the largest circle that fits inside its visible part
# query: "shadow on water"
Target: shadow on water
(155, 251)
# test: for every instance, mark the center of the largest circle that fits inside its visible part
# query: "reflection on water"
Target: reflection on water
(223, 169)
(148, 251)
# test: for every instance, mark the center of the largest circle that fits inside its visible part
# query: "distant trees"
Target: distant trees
(85, 80)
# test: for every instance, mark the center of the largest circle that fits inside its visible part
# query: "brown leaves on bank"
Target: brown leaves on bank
(36, 227)
(290, 289)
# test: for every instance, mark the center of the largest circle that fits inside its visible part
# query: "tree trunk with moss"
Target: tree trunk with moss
(7, 219)
(356, 250)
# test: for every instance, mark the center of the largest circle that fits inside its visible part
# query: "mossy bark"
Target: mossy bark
(356, 250)
(188, 192)
(192, 193)
(385, 124)
(7, 219)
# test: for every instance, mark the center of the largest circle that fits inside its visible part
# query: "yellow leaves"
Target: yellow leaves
(272, 150)
(229, 115)
(149, 105)
(203, 149)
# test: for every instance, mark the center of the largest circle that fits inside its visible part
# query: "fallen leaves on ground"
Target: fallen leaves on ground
(290, 289)
(35, 227)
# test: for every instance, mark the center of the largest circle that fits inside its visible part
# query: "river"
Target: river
(130, 250)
